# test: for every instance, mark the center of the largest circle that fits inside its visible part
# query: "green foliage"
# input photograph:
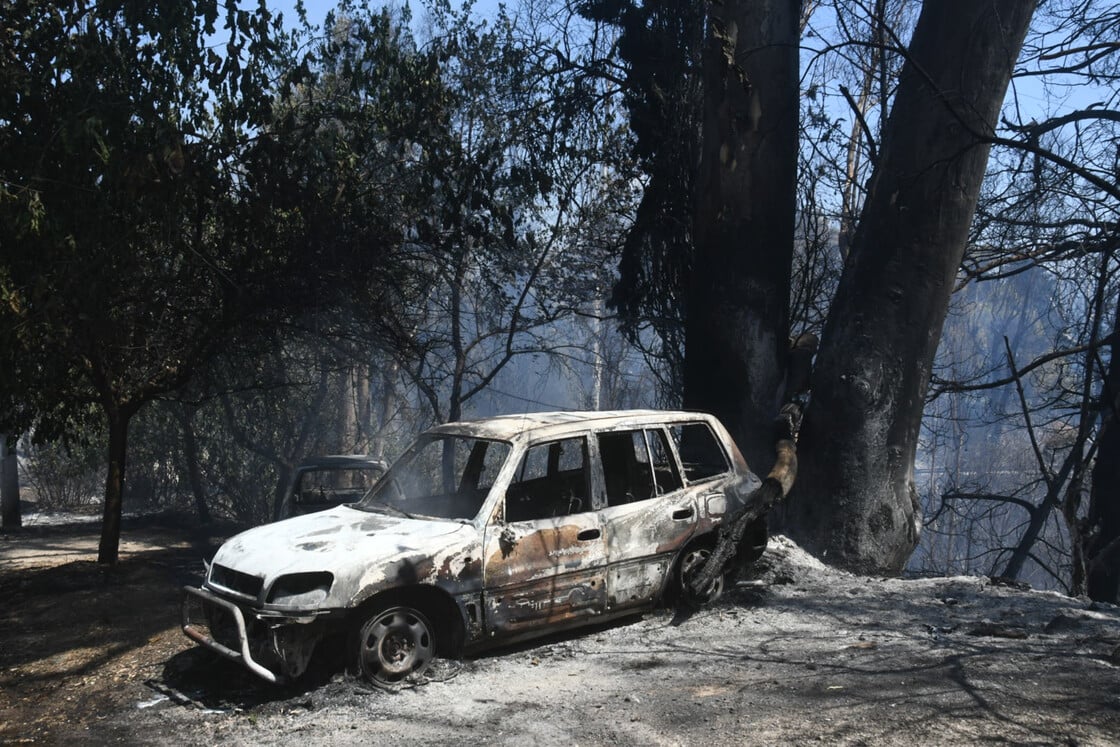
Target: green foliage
(137, 241)
(122, 211)
(202, 211)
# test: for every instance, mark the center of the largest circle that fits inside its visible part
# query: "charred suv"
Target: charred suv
(482, 532)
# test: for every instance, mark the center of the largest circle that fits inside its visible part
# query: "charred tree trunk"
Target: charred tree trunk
(1022, 552)
(1066, 479)
(10, 510)
(855, 503)
(1102, 526)
(737, 328)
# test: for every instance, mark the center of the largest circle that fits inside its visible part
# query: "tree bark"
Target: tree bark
(737, 328)
(363, 407)
(1102, 525)
(185, 415)
(108, 548)
(855, 503)
(11, 515)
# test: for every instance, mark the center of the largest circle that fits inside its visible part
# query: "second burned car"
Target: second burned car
(481, 532)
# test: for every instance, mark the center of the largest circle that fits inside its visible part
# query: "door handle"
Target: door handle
(588, 534)
(682, 513)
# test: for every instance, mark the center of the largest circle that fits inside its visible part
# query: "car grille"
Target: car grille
(236, 581)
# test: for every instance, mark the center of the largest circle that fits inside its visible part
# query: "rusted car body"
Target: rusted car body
(482, 532)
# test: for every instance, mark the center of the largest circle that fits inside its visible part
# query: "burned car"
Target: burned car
(480, 533)
(324, 482)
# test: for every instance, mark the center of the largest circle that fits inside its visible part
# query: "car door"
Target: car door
(649, 516)
(544, 552)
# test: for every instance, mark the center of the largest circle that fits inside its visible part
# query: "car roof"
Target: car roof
(533, 425)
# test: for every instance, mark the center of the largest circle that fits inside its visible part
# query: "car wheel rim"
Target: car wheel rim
(395, 644)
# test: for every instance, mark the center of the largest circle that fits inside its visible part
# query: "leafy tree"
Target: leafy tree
(499, 252)
(131, 243)
(659, 48)
(370, 150)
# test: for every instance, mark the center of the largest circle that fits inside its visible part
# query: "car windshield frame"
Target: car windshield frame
(468, 467)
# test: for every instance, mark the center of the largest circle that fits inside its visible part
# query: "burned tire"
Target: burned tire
(692, 561)
(394, 644)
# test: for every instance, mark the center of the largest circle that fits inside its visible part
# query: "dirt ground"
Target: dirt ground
(799, 654)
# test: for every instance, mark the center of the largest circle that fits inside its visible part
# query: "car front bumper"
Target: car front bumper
(197, 613)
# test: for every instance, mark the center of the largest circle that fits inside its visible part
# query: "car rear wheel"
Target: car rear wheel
(393, 644)
(692, 562)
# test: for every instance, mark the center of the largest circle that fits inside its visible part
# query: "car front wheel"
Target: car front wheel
(394, 644)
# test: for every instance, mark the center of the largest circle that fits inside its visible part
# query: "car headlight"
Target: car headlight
(300, 589)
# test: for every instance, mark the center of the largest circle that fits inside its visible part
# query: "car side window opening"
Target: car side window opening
(636, 465)
(481, 469)
(700, 452)
(551, 481)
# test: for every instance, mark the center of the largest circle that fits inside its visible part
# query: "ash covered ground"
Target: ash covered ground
(799, 653)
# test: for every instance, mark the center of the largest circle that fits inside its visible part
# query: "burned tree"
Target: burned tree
(1102, 525)
(743, 221)
(855, 503)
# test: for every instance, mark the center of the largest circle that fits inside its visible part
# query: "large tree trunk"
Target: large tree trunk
(1102, 526)
(737, 330)
(855, 503)
(10, 511)
(742, 536)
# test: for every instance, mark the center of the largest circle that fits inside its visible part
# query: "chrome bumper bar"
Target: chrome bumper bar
(202, 636)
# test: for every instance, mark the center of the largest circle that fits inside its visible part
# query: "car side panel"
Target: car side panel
(543, 573)
(643, 539)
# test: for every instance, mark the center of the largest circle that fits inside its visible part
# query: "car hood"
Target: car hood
(360, 548)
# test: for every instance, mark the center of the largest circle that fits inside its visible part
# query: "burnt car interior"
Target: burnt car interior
(551, 481)
(444, 478)
(701, 455)
(636, 466)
